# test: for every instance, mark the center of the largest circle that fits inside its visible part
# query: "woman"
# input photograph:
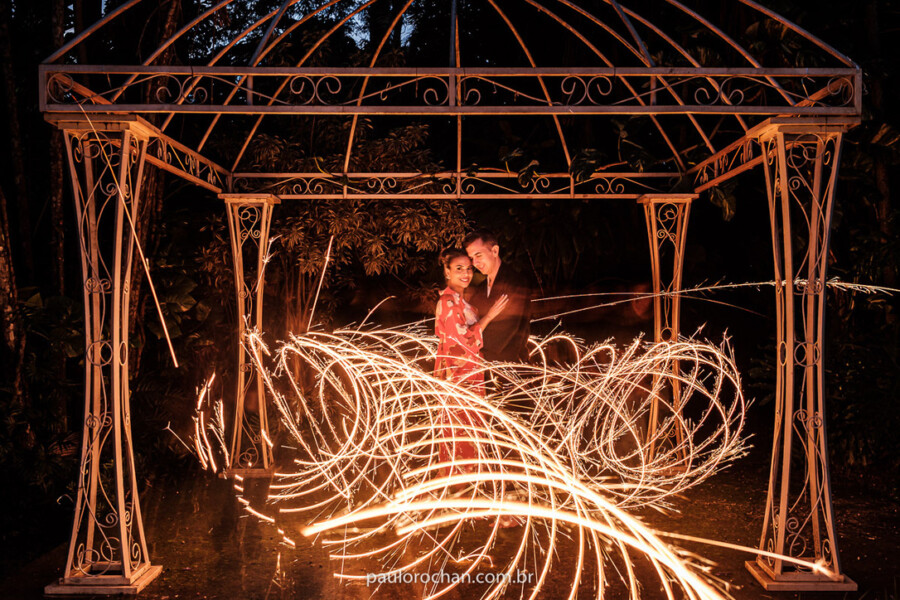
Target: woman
(459, 359)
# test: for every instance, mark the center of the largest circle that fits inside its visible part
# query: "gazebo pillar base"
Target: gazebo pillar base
(104, 585)
(799, 582)
(247, 472)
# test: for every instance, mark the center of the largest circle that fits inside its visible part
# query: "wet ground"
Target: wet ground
(211, 549)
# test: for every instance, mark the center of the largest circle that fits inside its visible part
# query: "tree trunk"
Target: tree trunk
(57, 171)
(56, 189)
(380, 15)
(151, 201)
(146, 217)
(87, 12)
(13, 351)
(882, 172)
(15, 144)
(8, 289)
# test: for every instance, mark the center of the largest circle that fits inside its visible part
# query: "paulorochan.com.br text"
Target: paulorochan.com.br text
(451, 578)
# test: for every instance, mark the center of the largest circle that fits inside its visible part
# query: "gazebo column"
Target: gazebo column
(667, 220)
(801, 169)
(249, 219)
(107, 549)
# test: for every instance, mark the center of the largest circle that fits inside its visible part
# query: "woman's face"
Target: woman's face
(459, 273)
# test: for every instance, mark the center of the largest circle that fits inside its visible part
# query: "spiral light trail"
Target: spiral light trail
(562, 458)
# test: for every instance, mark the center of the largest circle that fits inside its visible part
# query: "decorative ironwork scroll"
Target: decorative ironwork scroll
(732, 160)
(176, 158)
(607, 90)
(801, 166)
(743, 154)
(486, 184)
(249, 219)
(162, 151)
(667, 219)
(107, 550)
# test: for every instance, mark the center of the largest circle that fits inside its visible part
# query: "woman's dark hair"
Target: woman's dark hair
(448, 254)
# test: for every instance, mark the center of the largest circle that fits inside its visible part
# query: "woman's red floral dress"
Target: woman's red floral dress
(459, 360)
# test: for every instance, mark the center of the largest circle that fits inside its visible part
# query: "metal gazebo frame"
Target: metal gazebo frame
(118, 118)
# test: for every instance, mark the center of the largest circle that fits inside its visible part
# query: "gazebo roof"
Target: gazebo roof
(704, 87)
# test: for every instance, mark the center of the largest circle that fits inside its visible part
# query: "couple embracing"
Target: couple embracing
(491, 324)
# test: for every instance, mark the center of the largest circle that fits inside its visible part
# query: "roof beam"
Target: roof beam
(744, 154)
(484, 184)
(485, 91)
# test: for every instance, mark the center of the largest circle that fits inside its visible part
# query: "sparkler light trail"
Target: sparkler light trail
(562, 457)
(834, 283)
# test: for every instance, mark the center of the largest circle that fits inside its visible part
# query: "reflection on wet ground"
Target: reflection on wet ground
(212, 549)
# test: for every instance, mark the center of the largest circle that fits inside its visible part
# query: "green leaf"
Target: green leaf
(723, 197)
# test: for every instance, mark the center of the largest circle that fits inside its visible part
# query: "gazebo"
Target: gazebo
(716, 107)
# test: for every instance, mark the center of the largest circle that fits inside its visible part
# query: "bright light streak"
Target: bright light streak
(206, 445)
(561, 450)
(198, 444)
(135, 239)
(690, 293)
(202, 446)
(258, 514)
(204, 391)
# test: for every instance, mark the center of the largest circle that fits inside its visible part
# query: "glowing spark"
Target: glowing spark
(266, 438)
(200, 450)
(217, 427)
(206, 445)
(312, 311)
(834, 283)
(258, 514)
(560, 450)
(205, 390)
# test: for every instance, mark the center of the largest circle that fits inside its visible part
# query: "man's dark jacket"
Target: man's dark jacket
(506, 337)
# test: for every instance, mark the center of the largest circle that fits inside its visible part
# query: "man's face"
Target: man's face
(486, 258)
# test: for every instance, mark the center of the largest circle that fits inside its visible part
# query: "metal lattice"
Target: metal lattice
(667, 216)
(801, 173)
(249, 220)
(107, 549)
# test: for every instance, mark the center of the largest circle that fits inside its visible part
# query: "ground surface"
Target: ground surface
(210, 549)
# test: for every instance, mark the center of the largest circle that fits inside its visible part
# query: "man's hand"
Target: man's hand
(498, 307)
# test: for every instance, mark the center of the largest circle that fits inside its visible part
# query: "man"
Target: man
(506, 338)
